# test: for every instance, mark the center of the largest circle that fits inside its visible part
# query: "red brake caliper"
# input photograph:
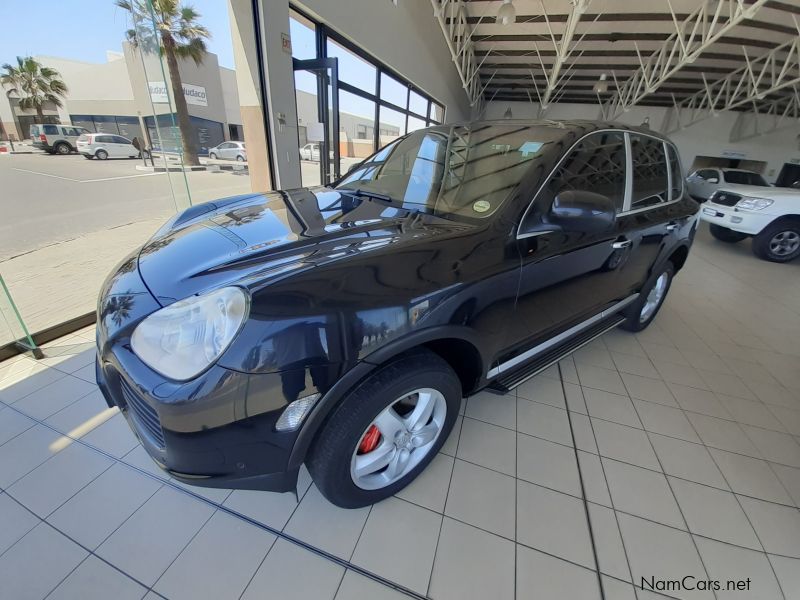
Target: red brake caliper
(370, 440)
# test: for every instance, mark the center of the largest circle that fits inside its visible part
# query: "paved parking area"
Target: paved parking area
(66, 221)
(668, 453)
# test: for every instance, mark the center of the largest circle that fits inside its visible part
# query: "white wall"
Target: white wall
(710, 137)
(405, 37)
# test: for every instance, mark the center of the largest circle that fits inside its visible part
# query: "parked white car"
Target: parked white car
(704, 182)
(310, 152)
(106, 145)
(229, 151)
(55, 139)
(771, 218)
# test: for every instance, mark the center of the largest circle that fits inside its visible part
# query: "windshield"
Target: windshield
(466, 170)
(745, 178)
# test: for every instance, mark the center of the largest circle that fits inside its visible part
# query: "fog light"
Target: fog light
(294, 414)
(736, 219)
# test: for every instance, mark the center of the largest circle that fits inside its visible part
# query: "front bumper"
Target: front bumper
(178, 426)
(743, 221)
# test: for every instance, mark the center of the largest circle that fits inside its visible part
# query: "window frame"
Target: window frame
(323, 33)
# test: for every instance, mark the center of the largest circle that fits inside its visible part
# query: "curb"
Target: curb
(161, 169)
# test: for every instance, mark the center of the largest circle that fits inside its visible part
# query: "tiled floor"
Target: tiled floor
(669, 453)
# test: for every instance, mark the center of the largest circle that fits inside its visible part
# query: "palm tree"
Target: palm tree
(36, 85)
(177, 36)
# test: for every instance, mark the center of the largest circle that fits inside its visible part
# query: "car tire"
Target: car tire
(62, 148)
(212, 156)
(390, 396)
(101, 154)
(88, 156)
(778, 242)
(642, 312)
(723, 234)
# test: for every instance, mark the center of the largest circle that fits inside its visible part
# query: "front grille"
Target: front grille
(143, 413)
(725, 198)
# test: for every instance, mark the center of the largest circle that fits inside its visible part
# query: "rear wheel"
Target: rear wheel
(642, 312)
(386, 430)
(778, 242)
(240, 158)
(723, 234)
(101, 154)
(88, 156)
(63, 148)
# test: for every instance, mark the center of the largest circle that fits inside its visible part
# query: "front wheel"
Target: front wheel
(386, 430)
(778, 242)
(212, 156)
(723, 234)
(642, 312)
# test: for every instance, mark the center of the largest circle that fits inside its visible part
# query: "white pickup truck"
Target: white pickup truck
(771, 216)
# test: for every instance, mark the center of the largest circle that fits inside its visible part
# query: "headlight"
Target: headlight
(751, 203)
(183, 339)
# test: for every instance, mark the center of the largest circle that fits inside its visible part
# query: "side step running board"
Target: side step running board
(508, 381)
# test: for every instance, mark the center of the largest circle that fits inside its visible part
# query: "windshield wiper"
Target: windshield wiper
(367, 194)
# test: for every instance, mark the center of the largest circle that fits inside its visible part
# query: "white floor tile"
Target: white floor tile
(399, 543)
(219, 561)
(472, 564)
(290, 572)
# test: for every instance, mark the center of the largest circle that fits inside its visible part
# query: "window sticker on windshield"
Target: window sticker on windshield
(530, 148)
(481, 206)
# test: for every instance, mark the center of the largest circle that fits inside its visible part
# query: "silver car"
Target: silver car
(704, 182)
(229, 151)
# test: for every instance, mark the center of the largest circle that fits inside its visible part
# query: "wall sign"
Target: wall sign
(286, 43)
(734, 154)
(194, 94)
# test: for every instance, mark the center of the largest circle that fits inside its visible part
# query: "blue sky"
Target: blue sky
(85, 29)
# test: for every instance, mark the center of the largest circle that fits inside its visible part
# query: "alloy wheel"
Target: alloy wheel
(654, 298)
(399, 437)
(784, 243)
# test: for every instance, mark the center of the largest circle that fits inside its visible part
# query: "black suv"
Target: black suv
(340, 326)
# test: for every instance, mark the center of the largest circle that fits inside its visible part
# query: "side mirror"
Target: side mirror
(582, 211)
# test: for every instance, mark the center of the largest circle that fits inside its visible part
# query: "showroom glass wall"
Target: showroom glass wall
(66, 221)
(369, 92)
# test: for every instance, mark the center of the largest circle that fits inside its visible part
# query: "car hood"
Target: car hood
(251, 240)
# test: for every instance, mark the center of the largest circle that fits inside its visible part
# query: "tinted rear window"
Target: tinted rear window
(744, 178)
(51, 130)
(650, 183)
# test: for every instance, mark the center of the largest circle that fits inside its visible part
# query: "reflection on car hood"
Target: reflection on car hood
(248, 240)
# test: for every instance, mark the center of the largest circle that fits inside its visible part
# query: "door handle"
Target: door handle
(672, 227)
(621, 244)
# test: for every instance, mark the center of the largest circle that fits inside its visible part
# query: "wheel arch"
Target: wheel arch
(678, 257)
(791, 218)
(455, 345)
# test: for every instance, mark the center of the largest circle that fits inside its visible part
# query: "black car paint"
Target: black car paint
(338, 285)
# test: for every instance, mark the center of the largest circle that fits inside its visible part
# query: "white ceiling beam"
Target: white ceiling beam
(776, 70)
(563, 47)
(779, 115)
(710, 21)
(452, 18)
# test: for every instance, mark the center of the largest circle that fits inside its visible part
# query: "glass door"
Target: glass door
(316, 84)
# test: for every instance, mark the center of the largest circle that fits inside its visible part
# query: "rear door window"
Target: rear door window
(650, 179)
(676, 175)
(50, 130)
